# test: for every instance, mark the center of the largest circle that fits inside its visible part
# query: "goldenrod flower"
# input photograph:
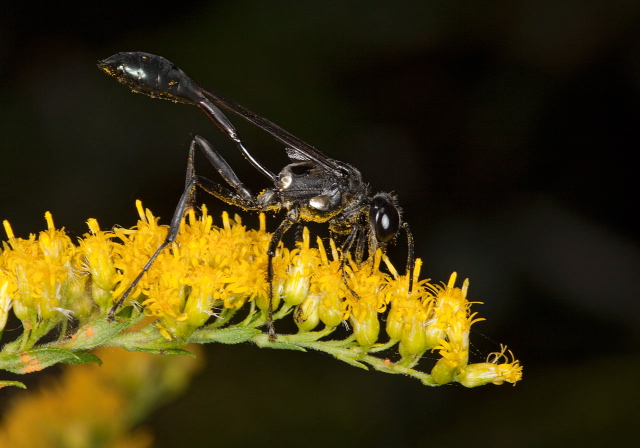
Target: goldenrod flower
(492, 371)
(39, 279)
(300, 264)
(306, 314)
(328, 286)
(96, 257)
(211, 285)
(366, 301)
(410, 313)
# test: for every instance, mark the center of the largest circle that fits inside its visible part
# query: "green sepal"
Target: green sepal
(442, 373)
(12, 383)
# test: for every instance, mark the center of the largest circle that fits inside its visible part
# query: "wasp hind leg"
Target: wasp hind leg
(241, 197)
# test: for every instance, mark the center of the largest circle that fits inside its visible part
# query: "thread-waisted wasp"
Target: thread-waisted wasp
(312, 187)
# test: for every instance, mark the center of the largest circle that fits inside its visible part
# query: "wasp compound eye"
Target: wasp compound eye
(385, 218)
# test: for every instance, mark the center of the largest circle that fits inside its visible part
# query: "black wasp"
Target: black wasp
(312, 187)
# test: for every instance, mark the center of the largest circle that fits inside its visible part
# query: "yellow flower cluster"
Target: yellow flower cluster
(211, 272)
(39, 281)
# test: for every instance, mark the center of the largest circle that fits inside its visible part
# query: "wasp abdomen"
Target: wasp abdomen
(152, 75)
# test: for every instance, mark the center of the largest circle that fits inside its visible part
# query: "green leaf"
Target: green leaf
(12, 383)
(95, 333)
(281, 343)
(84, 358)
(40, 358)
(349, 360)
(168, 351)
(231, 335)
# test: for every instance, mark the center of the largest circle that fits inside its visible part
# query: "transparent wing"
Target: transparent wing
(291, 141)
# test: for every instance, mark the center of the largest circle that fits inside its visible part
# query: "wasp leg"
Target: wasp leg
(292, 218)
(243, 198)
(222, 167)
(223, 123)
(344, 252)
(298, 233)
(359, 251)
(411, 260)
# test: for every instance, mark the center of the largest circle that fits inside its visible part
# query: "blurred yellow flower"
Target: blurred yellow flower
(92, 405)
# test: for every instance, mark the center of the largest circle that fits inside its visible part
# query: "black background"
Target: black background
(509, 131)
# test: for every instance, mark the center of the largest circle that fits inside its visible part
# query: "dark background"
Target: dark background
(508, 130)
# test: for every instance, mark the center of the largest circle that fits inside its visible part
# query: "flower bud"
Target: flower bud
(433, 334)
(395, 322)
(98, 261)
(262, 301)
(366, 325)
(296, 286)
(306, 314)
(75, 297)
(414, 338)
(329, 309)
(198, 307)
(5, 301)
(443, 372)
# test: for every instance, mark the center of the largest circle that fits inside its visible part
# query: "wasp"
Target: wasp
(313, 187)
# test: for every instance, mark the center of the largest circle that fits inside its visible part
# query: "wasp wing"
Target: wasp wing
(305, 150)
